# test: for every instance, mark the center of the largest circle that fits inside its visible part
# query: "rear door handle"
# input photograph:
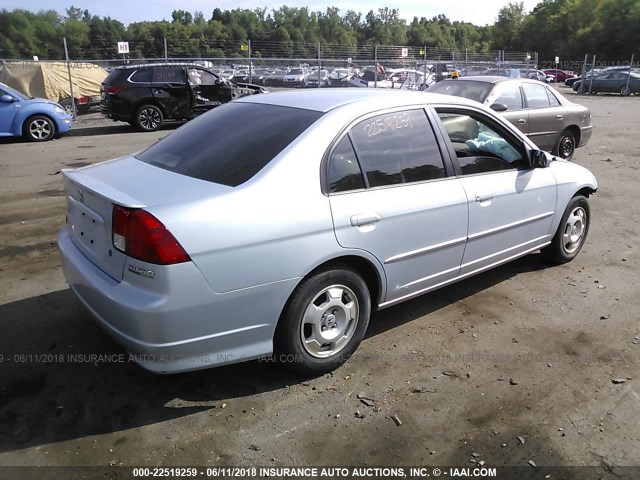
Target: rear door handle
(522, 121)
(484, 197)
(364, 219)
(559, 117)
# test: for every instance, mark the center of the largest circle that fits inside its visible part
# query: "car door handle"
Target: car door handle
(559, 117)
(522, 121)
(364, 219)
(484, 197)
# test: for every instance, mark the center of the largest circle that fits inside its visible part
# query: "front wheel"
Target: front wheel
(572, 232)
(39, 128)
(324, 322)
(148, 118)
(566, 145)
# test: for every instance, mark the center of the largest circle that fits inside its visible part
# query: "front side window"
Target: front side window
(397, 147)
(198, 76)
(480, 147)
(536, 95)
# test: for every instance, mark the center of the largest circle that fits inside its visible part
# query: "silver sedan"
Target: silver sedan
(277, 223)
(542, 113)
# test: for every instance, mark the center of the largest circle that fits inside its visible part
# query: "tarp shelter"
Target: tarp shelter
(51, 79)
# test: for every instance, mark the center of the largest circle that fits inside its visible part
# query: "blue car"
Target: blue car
(36, 119)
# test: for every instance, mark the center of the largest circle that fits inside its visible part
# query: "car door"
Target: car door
(391, 195)
(511, 205)
(207, 90)
(8, 112)
(170, 90)
(509, 94)
(546, 115)
(614, 82)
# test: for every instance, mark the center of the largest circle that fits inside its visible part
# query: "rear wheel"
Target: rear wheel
(566, 145)
(324, 321)
(39, 128)
(572, 231)
(148, 118)
(625, 91)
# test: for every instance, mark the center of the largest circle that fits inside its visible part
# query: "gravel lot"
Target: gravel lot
(527, 350)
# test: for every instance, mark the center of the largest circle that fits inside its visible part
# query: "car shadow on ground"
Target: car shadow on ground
(113, 129)
(53, 389)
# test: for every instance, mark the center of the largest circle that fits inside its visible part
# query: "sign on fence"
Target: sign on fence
(123, 47)
(405, 52)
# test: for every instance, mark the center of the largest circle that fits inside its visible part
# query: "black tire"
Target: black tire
(39, 128)
(625, 91)
(342, 314)
(566, 146)
(148, 118)
(572, 232)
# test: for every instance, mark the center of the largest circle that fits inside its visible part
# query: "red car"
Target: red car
(560, 75)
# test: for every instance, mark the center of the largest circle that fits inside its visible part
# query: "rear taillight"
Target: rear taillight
(115, 90)
(140, 235)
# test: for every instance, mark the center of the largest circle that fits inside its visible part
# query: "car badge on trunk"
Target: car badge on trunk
(80, 196)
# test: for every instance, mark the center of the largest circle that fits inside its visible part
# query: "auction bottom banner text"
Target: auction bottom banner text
(337, 472)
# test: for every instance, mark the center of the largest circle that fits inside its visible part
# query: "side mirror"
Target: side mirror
(539, 159)
(7, 99)
(499, 107)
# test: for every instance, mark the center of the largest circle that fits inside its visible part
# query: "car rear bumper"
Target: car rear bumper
(187, 326)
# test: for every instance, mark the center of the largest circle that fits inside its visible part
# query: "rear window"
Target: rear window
(114, 76)
(477, 91)
(231, 143)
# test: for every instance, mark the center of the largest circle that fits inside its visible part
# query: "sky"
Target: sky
(475, 11)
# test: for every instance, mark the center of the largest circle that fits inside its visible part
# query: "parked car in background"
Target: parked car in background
(255, 76)
(559, 75)
(227, 268)
(551, 121)
(340, 77)
(534, 74)
(317, 78)
(275, 77)
(614, 81)
(296, 77)
(84, 105)
(147, 95)
(35, 119)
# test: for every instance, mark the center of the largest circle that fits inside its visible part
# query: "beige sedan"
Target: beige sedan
(551, 121)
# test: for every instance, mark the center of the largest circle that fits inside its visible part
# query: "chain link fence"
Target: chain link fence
(267, 63)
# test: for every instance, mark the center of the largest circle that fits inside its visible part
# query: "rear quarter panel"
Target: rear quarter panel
(275, 227)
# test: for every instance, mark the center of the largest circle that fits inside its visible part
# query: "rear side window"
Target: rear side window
(553, 101)
(231, 143)
(511, 97)
(168, 74)
(398, 147)
(344, 171)
(141, 76)
(115, 75)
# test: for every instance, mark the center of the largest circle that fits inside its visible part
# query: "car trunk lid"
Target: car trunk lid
(93, 191)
